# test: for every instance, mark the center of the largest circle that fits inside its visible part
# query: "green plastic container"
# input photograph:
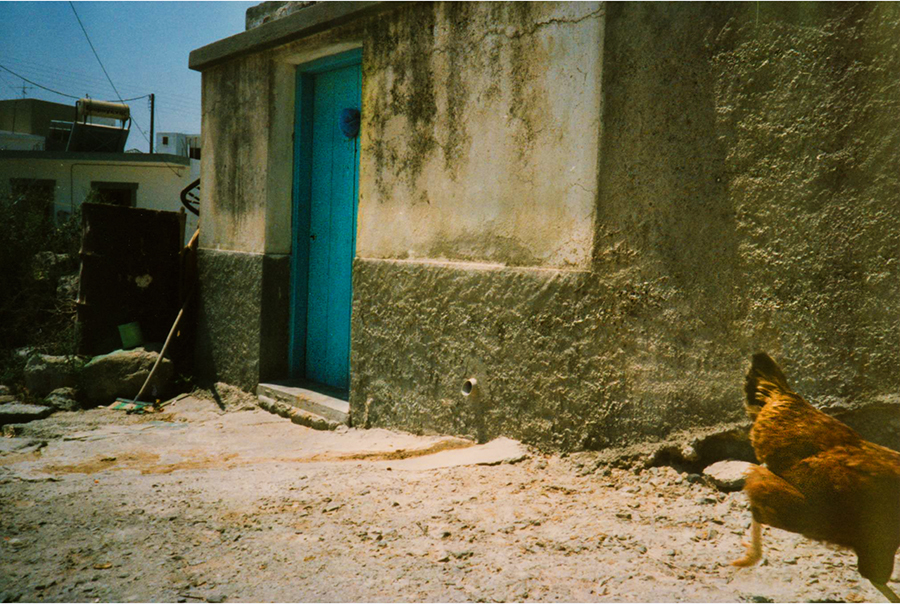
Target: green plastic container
(131, 335)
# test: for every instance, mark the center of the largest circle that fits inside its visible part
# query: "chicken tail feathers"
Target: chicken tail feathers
(764, 379)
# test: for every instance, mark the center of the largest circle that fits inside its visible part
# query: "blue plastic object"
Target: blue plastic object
(349, 122)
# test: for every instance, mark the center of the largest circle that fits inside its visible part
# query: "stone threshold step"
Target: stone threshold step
(298, 400)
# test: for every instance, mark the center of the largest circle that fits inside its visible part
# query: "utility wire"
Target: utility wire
(38, 85)
(94, 51)
(170, 102)
(71, 79)
(10, 85)
(21, 77)
(109, 79)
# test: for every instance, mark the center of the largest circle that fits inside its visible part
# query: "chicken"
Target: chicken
(819, 478)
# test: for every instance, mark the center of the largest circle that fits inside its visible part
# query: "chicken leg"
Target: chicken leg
(754, 548)
(887, 591)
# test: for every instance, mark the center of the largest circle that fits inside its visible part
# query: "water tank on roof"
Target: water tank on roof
(88, 136)
(88, 108)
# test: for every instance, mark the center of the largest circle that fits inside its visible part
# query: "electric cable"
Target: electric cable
(105, 73)
(166, 104)
(5, 81)
(39, 85)
(91, 44)
(88, 38)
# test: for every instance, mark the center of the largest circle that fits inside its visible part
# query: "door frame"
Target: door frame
(301, 200)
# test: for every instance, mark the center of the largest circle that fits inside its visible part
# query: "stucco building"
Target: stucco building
(598, 211)
(131, 179)
(34, 156)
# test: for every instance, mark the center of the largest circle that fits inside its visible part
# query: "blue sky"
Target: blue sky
(144, 47)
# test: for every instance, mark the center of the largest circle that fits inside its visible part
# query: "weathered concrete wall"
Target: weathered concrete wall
(246, 196)
(748, 181)
(750, 177)
(599, 211)
(550, 351)
(481, 133)
(479, 139)
(264, 12)
(242, 317)
(246, 173)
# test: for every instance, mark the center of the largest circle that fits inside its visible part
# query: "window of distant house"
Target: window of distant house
(194, 153)
(37, 192)
(165, 140)
(114, 193)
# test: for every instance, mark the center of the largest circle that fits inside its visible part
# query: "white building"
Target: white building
(182, 145)
(32, 139)
(140, 180)
(19, 141)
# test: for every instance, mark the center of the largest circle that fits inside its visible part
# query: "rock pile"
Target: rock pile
(70, 383)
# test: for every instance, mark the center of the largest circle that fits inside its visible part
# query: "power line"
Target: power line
(21, 77)
(174, 105)
(71, 79)
(52, 77)
(170, 101)
(16, 90)
(163, 106)
(95, 52)
(38, 85)
(91, 44)
(8, 59)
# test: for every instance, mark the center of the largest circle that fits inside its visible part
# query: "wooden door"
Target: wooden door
(325, 232)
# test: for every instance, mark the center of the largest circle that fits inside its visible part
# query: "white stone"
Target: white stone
(728, 475)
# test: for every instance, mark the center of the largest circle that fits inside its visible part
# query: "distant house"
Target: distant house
(34, 156)
(19, 141)
(569, 223)
(183, 145)
(33, 116)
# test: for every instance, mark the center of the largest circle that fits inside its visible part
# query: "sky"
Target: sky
(143, 46)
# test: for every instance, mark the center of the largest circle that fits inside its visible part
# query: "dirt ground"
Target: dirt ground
(200, 503)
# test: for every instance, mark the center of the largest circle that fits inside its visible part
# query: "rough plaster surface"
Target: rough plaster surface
(750, 174)
(479, 140)
(242, 318)
(236, 115)
(742, 197)
(264, 12)
(748, 185)
(563, 359)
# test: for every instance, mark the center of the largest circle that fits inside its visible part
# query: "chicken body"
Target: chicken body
(820, 479)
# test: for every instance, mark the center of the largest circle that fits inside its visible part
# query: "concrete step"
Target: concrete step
(323, 402)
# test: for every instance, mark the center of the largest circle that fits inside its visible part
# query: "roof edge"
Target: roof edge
(89, 156)
(306, 22)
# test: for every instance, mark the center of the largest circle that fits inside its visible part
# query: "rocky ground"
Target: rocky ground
(200, 503)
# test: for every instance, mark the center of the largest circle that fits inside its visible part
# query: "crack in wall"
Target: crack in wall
(516, 33)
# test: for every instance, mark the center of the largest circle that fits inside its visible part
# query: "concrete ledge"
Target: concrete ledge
(85, 156)
(324, 405)
(309, 21)
(297, 416)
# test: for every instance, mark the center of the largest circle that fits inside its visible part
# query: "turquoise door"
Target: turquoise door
(326, 186)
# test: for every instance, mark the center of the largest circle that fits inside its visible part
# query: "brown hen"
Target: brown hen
(819, 478)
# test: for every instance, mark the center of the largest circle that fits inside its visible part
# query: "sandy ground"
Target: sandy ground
(201, 504)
